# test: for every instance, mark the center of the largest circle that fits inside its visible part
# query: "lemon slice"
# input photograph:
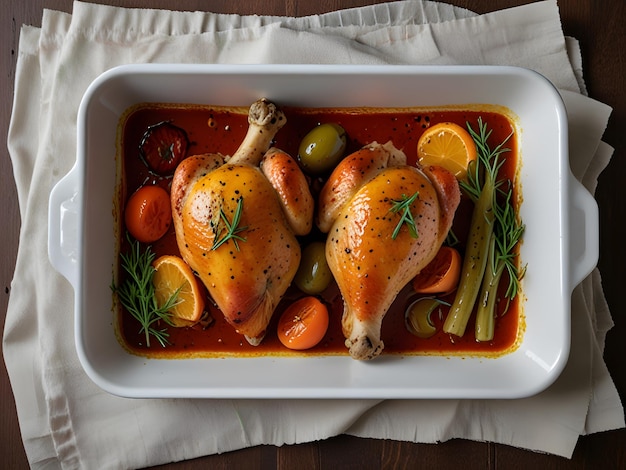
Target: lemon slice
(447, 145)
(172, 274)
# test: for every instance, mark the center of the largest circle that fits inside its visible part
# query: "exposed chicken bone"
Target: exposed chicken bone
(264, 121)
(370, 265)
(248, 281)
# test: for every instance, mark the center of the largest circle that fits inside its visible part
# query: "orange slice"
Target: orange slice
(448, 145)
(441, 275)
(172, 274)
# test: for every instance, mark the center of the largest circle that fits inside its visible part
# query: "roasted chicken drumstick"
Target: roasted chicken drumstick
(236, 220)
(371, 250)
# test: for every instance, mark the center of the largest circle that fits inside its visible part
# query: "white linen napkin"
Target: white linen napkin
(58, 405)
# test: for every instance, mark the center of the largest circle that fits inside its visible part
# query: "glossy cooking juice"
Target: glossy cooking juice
(221, 130)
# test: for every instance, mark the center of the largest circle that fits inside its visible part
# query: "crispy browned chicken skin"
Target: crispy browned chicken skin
(247, 274)
(369, 265)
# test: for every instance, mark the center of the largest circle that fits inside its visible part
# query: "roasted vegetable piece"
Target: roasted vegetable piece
(417, 317)
(441, 275)
(502, 257)
(482, 187)
(474, 262)
(163, 147)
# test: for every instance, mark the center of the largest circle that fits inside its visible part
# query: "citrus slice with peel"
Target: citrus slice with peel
(441, 275)
(173, 276)
(448, 145)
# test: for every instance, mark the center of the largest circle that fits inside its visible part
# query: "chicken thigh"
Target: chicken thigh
(236, 222)
(371, 250)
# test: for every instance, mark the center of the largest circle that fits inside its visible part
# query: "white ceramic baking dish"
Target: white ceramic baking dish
(560, 244)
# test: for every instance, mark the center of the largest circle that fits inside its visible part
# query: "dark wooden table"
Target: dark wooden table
(600, 28)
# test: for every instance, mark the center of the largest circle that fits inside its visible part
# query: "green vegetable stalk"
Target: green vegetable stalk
(474, 261)
(485, 314)
(482, 186)
(507, 233)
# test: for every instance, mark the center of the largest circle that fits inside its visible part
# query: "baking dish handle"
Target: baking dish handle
(584, 233)
(63, 224)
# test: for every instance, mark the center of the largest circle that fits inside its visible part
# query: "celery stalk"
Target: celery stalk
(507, 233)
(474, 261)
(482, 187)
(485, 314)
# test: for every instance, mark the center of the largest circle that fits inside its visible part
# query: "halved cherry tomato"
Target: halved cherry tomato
(163, 147)
(303, 324)
(148, 213)
(441, 275)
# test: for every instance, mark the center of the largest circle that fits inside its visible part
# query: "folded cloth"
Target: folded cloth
(58, 405)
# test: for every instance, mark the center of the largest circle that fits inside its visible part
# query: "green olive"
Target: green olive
(313, 275)
(322, 148)
(417, 317)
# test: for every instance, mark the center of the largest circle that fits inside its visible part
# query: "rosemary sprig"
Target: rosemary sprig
(136, 293)
(232, 228)
(508, 231)
(488, 164)
(404, 205)
(485, 238)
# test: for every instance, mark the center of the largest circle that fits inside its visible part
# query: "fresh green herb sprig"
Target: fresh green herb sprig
(485, 170)
(403, 205)
(509, 230)
(494, 233)
(232, 228)
(136, 293)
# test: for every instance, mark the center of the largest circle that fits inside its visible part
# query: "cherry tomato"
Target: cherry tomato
(303, 324)
(163, 147)
(441, 275)
(148, 213)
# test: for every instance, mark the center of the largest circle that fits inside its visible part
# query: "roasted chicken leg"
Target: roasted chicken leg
(371, 251)
(236, 222)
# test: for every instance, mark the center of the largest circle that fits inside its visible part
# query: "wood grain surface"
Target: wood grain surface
(599, 26)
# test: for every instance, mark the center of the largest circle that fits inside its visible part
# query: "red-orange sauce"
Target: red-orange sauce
(220, 130)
